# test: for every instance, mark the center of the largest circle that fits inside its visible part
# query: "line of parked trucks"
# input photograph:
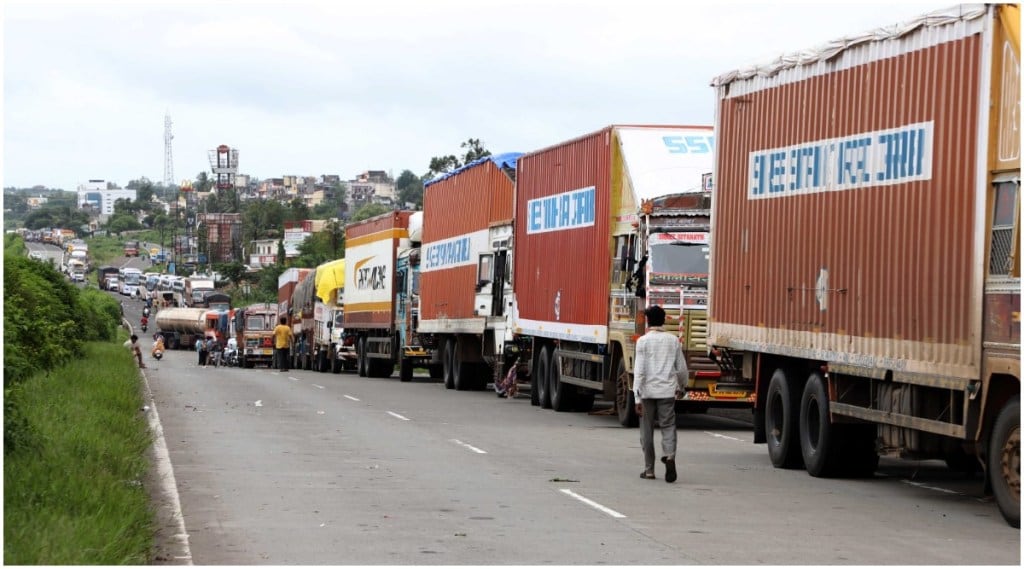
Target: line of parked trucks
(839, 252)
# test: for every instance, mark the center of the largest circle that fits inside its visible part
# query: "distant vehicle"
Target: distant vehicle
(111, 284)
(131, 248)
(129, 279)
(37, 255)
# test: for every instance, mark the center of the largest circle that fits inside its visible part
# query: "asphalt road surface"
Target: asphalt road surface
(304, 468)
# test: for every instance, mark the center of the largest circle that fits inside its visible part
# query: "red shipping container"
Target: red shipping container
(459, 210)
(847, 200)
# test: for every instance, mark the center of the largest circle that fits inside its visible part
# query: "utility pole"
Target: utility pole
(168, 155)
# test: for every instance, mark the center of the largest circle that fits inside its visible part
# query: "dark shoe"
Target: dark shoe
(670, 468)
(647, 474)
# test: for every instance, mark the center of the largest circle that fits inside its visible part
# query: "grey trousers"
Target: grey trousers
(661, 412)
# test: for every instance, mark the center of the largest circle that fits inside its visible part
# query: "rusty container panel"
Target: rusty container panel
(562, 253)
(371, 247)
(457, 212)
(845, 207)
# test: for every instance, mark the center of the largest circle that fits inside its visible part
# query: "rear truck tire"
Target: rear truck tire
(534, 389)
(462, 371)
(820, 440)
(336, 364)
(625, 403)
(543, 381)
(436, 371)
(361, 357)
(325, 362)
(1004, 461)
(447, 356)
(562, 394)
(781, 425)
(405, 370)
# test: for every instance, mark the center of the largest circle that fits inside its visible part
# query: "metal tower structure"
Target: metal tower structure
(168, 157)
(224, 165)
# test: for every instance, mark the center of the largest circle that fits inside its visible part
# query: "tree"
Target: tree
(409, 188)
(370, 210)
(473, 150)
(297, 210)
(203, 182)
(233, 271)
(121, 222)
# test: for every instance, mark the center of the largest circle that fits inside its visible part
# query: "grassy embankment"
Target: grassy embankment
(75, 438)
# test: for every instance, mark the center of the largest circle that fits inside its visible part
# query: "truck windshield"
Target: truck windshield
(255, 323)
(680, 259)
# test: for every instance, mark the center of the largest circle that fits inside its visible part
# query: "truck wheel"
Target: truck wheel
(324, 363)
(820, 440)
(780, 422)
(335, 364)
(544, 378)
(625, 403)
(436, 371)
(562, 394)
(247, 363)
(1004, 461)
(405, 370)
(447, 356)
(361, 357)
(462, 371)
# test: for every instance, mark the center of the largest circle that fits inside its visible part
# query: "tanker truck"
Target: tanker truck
(865, 248)
(180, 327)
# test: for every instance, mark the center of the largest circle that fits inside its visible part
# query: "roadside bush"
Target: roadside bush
(42, 318)
(101, 315)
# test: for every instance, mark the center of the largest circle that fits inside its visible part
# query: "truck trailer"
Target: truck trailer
(608, 224)
(371, 249)
(459, 311)
(865, 247)
(180, 327)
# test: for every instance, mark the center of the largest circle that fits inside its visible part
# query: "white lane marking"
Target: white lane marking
(716, 435)
(469, 446)
(318, 386)
(396, 415)
(259, 403)
(927, 487)
(592, 503)
(293, 378)
(350, 397)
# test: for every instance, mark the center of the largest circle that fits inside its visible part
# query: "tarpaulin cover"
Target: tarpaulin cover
(506, 160)
(329, 277)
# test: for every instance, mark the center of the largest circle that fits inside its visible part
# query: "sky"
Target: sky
(340, 87)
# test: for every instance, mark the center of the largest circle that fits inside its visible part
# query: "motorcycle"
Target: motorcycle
(230, 356)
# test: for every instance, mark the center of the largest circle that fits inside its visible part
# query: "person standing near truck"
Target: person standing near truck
(282, 339)
(660, 374)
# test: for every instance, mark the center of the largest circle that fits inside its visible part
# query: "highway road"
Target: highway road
(304, 468)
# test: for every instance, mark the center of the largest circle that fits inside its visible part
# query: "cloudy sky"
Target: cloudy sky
(316, 87)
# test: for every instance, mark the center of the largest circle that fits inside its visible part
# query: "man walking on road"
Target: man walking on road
(659, 374)
(282, 339)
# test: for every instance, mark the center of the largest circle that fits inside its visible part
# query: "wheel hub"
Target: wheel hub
(1010, 462)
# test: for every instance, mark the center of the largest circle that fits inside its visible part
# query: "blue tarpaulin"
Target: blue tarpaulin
(507, 159)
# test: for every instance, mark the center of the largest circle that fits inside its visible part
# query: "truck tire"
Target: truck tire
(625, 403)
(448, 364)
(544, 378)
(361, 357)
(1004, 461)
(436, 371)
(462, 371)
(335, 363)
(405, 370)
(247, 363)
(820, 440)
(782, 409)
(563, 395)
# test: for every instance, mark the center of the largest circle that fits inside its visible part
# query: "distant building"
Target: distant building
(262, 253)
(36, 203)
(95, 194)
(372, 186)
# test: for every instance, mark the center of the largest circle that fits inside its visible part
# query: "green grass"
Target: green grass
(74, 491)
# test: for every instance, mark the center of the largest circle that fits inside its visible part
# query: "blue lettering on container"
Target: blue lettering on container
(878, 158)
(560, 212)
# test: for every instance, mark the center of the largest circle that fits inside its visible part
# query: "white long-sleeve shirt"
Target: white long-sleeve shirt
(660, 367)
